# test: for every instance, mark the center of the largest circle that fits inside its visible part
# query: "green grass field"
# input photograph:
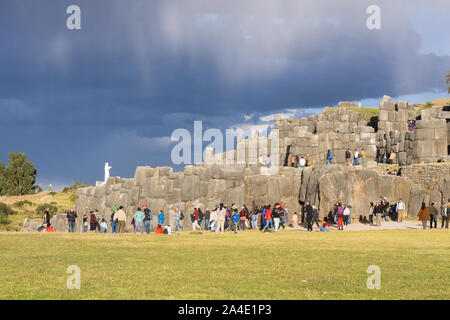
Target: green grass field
(250, 265)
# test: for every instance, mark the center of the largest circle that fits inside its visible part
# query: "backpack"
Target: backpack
(181, 216)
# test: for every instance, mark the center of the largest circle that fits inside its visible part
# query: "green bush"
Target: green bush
(5, 211)
(50, 207)
(75, 186)
(20, 204)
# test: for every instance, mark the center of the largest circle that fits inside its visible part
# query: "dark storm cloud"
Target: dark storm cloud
(143, 68)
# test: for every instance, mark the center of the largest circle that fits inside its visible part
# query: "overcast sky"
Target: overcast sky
(116, 89)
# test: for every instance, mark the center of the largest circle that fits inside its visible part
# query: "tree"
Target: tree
(19, 176)
(3, 184)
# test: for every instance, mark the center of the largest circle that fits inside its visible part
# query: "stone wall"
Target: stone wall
(426, 176)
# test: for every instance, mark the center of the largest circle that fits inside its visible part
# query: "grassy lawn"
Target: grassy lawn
(250, 265)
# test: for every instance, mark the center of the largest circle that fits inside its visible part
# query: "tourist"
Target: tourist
(401, 208)
(268, 218)
(159, 229)
(340, 217)
(293, 161)
(46, 217)
(235, 218)
(378, 156)
(221, 213)
(207, 218)
(268, 162)
(325, 225)
(71, 219)
(263, 218)
(194, 220)
(103, 226)
(346, 214)
(133, 224)
(243, 217)
(284, 215)
(121, 218)
(139, 220)
(445, 213)
(254, 216)
(49, 228)
(309, 215)
(433, 216)
(348, 157)
(276, 215)
(424, 215)
(392, 157)
(363, 157)
(309, 161)
(355, 158)
(316, 216)
(200, 217)
(97, 216)
(385, 157)
(213, 219)
(378, 210)
(302, 162)
(161, 218)
(147, 218)
(114, 221)
(178, 217)
(93, 221)
(295, 220)
(349, 214)
(371, 209)
(329, 157)
(85, 223)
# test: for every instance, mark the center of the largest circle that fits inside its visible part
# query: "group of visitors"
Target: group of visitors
(353, 159)
(301, 162)
(431, 214)
(387, 157)
(268, 217)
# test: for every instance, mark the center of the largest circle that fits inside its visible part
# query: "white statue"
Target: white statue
(107, 168)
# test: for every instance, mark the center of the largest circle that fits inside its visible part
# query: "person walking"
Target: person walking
(200, 218)
(309, 216)
(161, 218)
(433, 216)
(235, 218)
(348, 157)
(340, 217)
(93, 221)
(207, 218)
(295, 220)
(276, 215)
(85, 223)
(243, 217)
(329, 157)
(221, 213)
(346, 215)
(114, 221)
(371, 208)
(363, 157)
(268, 218)
(72, 219)
(424, 215)
(147, 218)
(285, 213)
(355, 158)
(445, 213)
(401, 209)
(103, 226)
(139, 217)
(213, 219)
(121, 219)
(302, 162)
(178, 218)
(315, 216)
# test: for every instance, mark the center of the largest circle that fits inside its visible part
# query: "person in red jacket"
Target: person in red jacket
(268, 218)
(159, 230)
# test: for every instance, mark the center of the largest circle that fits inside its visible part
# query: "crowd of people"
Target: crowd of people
(265, 218)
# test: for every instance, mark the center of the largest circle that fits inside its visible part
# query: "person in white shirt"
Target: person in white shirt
(401, 208)
(302, 162)
(221, 214)
(346, 215)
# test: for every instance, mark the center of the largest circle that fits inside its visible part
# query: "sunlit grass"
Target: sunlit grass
(249, 265)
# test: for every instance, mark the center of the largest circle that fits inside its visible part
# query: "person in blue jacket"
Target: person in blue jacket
(235, 217)
(329, 157)
(161, 218)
